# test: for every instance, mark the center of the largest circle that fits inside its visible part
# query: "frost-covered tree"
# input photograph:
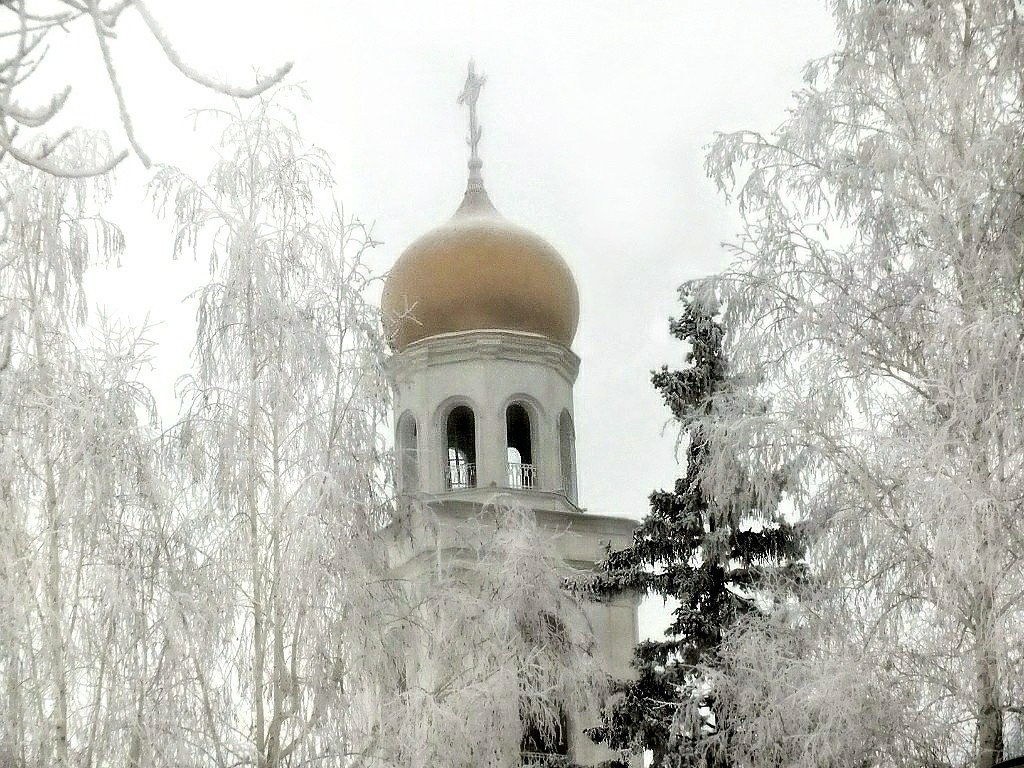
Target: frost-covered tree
(28, 31)
(877, 301)
(802, 685)
(303, 641)
(81, 539)
(28, 28)
(281, 435)
(490, 654)
(714, 557)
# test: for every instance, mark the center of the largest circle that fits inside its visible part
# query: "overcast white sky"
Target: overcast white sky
(595, 118)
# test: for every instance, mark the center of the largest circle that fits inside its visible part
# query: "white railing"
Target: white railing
(459, 474)
(543, 760)
(522, 475)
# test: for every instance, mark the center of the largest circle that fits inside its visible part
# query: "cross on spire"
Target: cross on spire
(470, 94)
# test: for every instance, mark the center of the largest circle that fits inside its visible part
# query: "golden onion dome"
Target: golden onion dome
(479, 271)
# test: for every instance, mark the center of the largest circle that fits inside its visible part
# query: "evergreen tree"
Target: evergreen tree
(713, 556)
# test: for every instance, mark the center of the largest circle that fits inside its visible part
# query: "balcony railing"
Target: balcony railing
(459, 474)
(522, 475)
(543, 760)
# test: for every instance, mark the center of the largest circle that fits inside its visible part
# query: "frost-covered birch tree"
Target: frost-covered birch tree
(81, 545)
(281, 437)
(491, 655)
(303, 639)
(877, 300)
(28, 29)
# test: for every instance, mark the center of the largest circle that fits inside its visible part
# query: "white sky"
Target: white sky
(595, 118)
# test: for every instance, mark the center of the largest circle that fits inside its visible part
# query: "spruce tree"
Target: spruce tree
(708, 555)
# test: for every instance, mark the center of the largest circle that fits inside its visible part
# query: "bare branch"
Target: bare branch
(39, 161)
(108, 61)
(261, 86)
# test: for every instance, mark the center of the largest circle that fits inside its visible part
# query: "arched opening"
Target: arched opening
(522, 472)
(539, 746)
(567, 455)
(460, 470)
(545, 736)
(408, 455)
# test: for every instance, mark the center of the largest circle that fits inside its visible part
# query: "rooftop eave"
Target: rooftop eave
(484, 344)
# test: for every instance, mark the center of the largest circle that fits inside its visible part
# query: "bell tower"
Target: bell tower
(481, 314)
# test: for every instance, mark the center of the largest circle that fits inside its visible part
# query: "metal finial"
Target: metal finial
(470, 94)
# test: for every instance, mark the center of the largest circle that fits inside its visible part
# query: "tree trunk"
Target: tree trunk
(987, 699)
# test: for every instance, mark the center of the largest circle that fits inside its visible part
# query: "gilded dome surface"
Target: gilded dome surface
(479, 271)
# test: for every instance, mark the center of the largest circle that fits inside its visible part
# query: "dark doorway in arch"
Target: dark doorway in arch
(545, 739)
(460, 469)
(522, 472)
(548, 747)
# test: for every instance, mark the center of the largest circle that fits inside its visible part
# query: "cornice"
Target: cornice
(553, 510)
(582, 539)
(468, 346)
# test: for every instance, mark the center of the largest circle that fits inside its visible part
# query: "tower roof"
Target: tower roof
(479, 271)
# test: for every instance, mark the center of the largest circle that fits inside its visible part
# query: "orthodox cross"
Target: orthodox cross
(470, 94)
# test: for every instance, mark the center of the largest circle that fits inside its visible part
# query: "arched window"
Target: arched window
(522, 472)
(567, 455)
(408, 455)
(460, 470)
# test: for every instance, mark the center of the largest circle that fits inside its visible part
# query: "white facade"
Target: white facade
(486, 371)
(489, 371)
